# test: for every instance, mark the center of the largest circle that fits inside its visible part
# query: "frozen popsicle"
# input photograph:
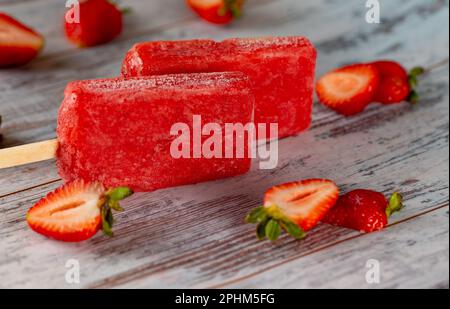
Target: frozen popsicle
(118, 131)
(281, 70)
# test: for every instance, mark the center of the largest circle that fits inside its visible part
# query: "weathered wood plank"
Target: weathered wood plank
(22, 178)
(411, 255)
(199, 244)
(4, 3)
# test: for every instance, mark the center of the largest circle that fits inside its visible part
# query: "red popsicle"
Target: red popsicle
(118, 131)
(281, 71)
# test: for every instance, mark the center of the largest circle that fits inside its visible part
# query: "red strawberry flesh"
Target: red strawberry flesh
(350, 89)
(295, 207)
(19, 44)
(71, 213)
(304, 202)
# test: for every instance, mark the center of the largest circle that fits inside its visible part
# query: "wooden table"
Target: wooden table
(194, 236)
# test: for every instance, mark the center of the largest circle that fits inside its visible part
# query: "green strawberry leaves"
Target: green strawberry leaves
(107, 221)
(261, 230)
(413, 80)
(257, 215)
(123, 10)
(111, 202)
(270, 224)
(233, 6)
(273, 229)
(395, 204)
(119, 194)
(293, 229)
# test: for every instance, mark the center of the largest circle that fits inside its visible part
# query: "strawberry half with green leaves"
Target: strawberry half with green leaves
(19, 44)
(295, 207)
(76, 211)
(217, 11)
(364, 210)
(100, 21)
(350, 89)
(396, 84)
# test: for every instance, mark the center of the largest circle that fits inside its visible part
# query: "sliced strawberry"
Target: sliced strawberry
(100, 22)
(76, 211)
(71, 213)
(396, 84)
(217, 11)
(350, 89)
(296, 207)
(19, 44)
(363, 210)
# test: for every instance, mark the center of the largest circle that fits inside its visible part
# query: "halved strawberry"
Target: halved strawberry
(295, 207)
(76, 211)
(350, 89)
(396, 84)
(364, 210)
(217, 11)
(19, 44)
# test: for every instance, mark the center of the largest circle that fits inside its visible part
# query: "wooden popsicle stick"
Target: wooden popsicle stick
(29, 153)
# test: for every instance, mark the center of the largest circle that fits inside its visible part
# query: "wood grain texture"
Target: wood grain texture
(400, 254)
(194, 236)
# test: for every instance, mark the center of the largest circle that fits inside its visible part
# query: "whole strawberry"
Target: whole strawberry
(217, 11)
(363, 210)
(100, 21)
(19, 44)
(396, 84)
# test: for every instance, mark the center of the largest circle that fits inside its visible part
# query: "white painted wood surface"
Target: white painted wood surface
(194, 236)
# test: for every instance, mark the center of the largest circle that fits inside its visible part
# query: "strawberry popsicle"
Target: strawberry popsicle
(281, 71)
(120, 131)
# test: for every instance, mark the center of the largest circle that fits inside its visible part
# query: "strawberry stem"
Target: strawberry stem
(232, 6)
(261, 230)
(126, 10)
(413, 80)
(395, 204)
(270, 223)
(110, 203)
(123, 10)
